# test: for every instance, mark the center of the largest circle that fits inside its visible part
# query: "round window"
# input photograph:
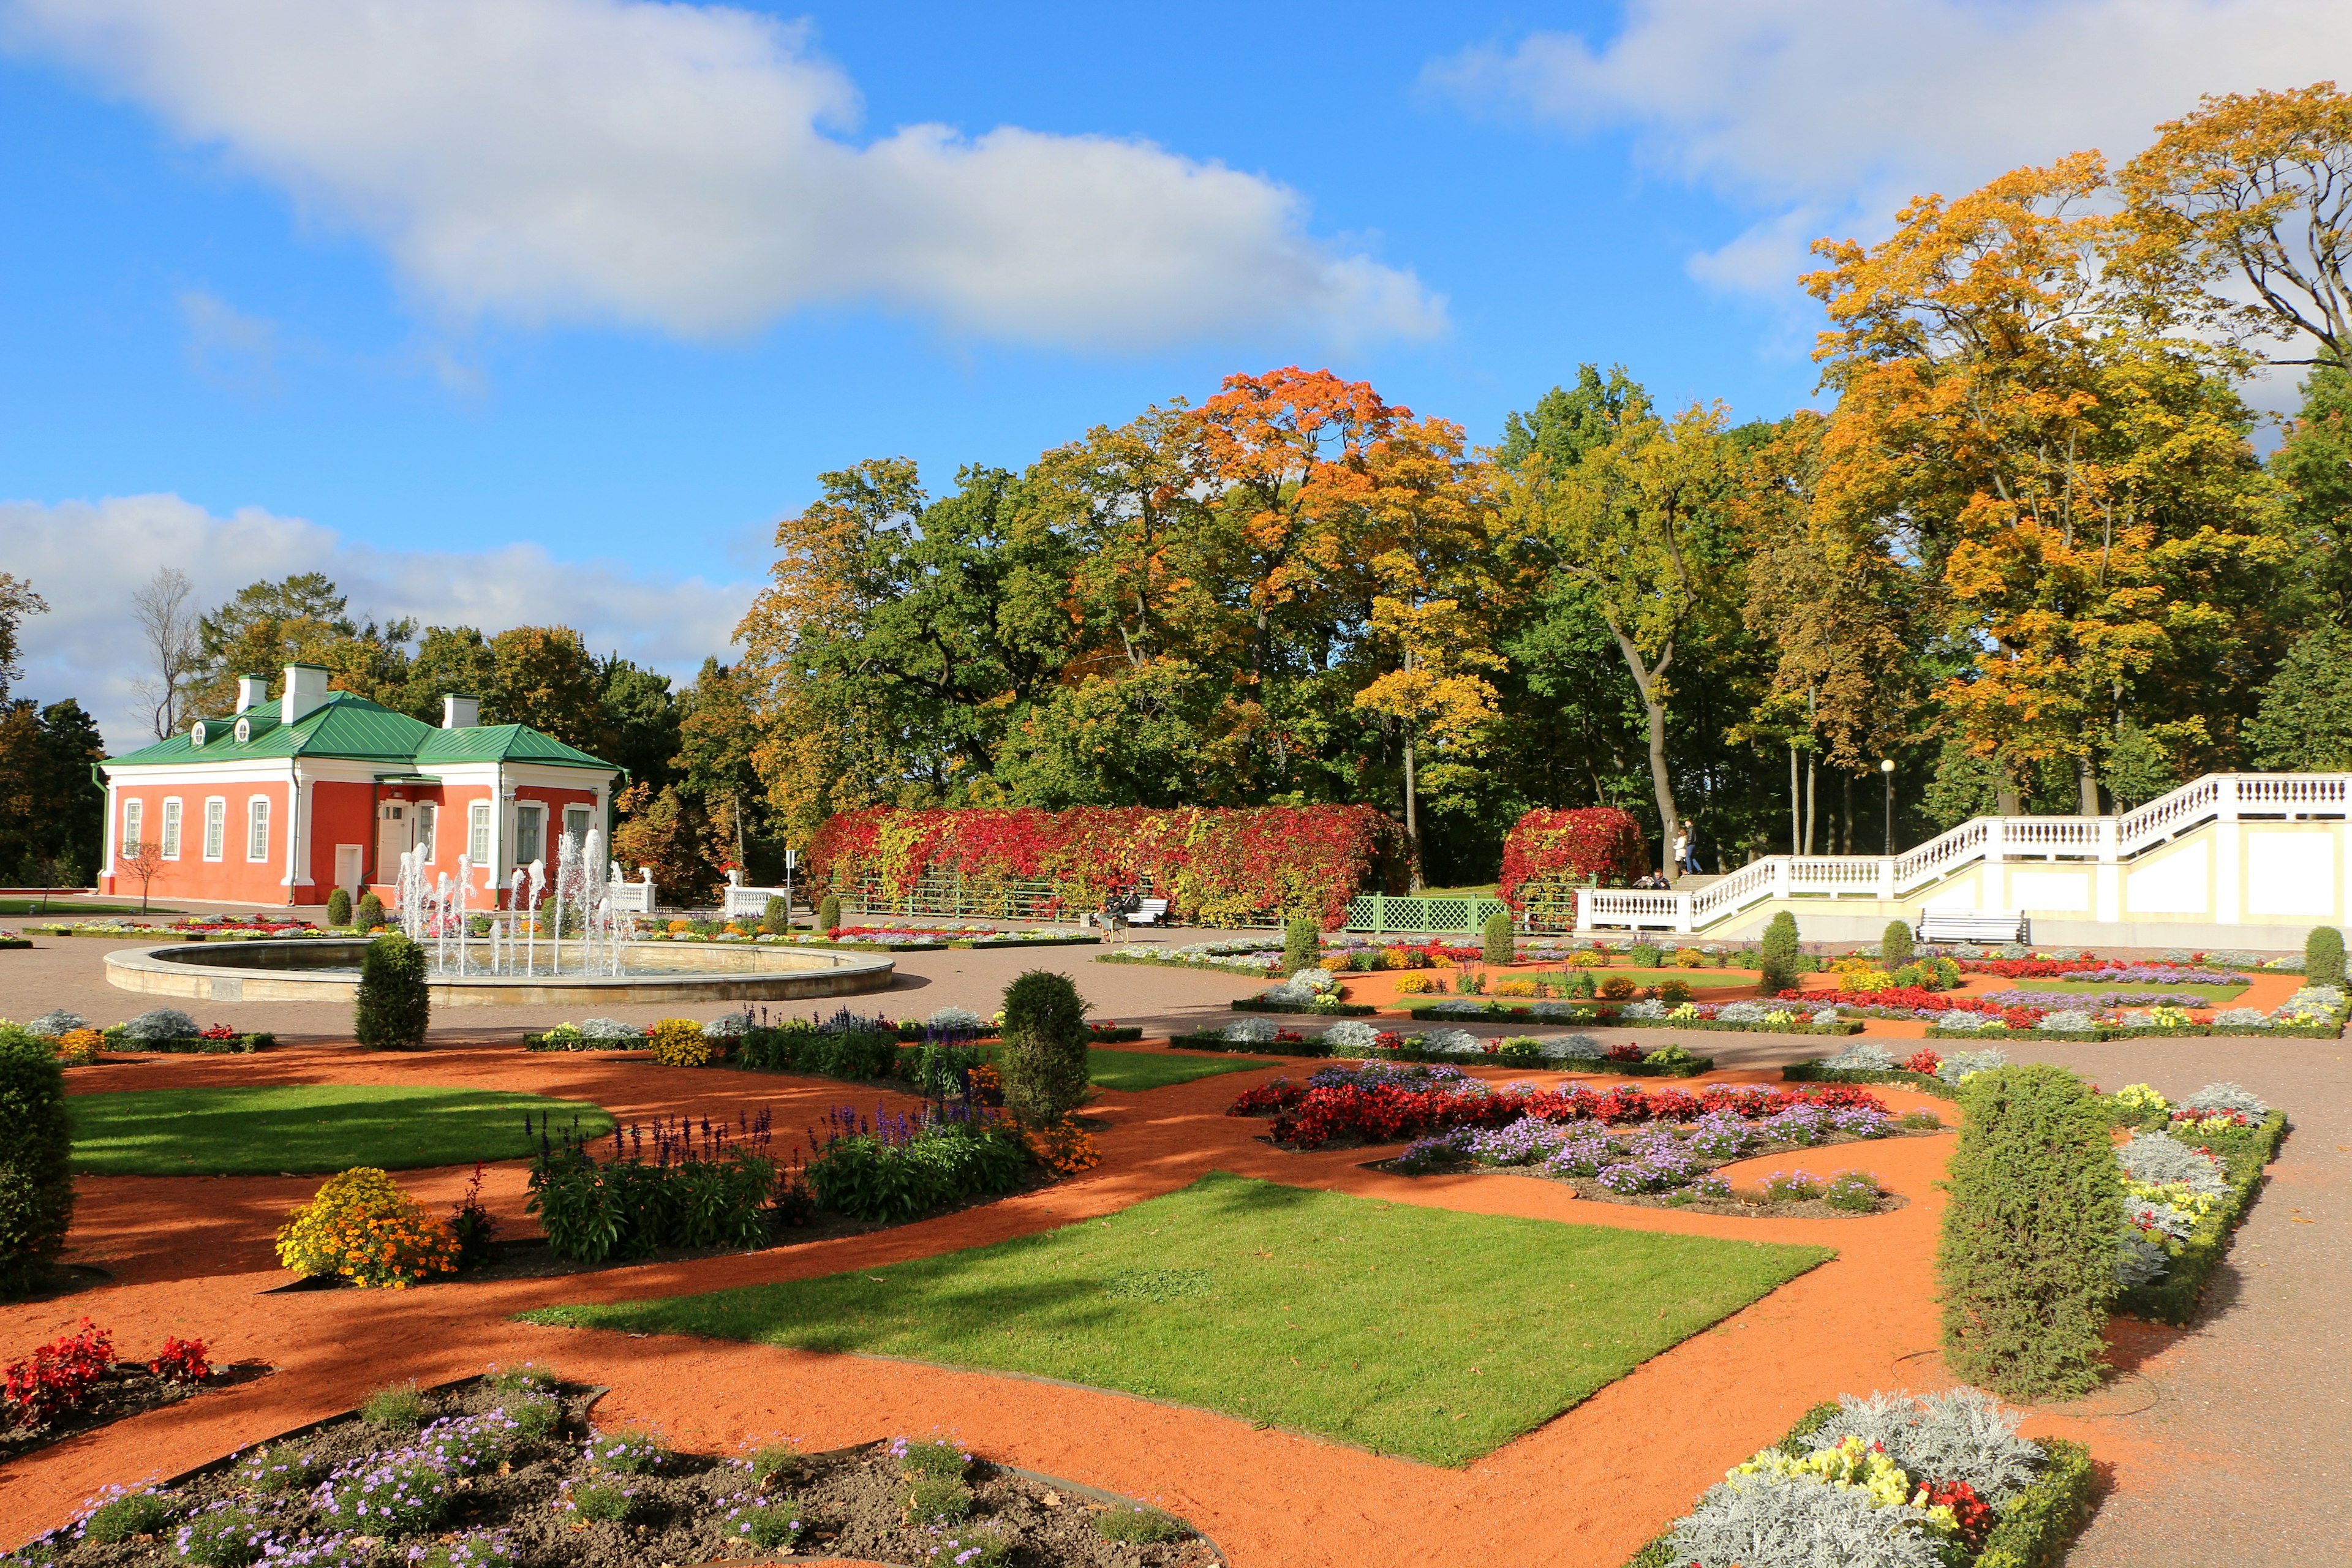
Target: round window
(196, 733)
(244, 730)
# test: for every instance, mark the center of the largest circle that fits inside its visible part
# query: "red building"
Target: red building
(280, 802)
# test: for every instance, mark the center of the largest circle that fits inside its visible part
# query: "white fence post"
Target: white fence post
(2225, 806)
(1887, 877)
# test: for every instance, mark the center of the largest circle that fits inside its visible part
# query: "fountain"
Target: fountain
(435, 915)
(561, 940)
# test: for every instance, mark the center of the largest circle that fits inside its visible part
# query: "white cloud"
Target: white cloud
(1830, 113)
(685, 167)
(86, 558)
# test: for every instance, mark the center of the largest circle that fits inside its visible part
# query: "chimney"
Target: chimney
(460, 713)
(252, 691)
(306, 692)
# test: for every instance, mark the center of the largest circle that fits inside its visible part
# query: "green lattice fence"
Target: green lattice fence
(1442, 915)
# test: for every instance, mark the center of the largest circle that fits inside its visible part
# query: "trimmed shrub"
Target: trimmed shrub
(1501, 944)
(338, 907)
(1302, 944)
(2323, 956)
(1777, 956)
(37, 1195)
(1895, 945)
(776, 916)
(1044, 1057)
(2026, 1267)
(1546, 848)
(393, 1005)
(370, 914)
(828, 914)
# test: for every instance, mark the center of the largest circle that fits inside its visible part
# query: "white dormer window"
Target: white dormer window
(196, 734)
(244, 730)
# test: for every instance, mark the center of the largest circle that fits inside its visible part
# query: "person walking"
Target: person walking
(1686, 852)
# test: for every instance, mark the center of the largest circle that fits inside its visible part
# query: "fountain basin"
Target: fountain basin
(316, 969)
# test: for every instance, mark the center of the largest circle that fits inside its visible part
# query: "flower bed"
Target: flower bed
(510, 1468)
(1743, 1018)
(1892, 1480)
(1377, 1103)
(1670, 1162)
(2183, 1224)
(224, 929)
(1313, 991)
(1351, 1038)
(75, 1384)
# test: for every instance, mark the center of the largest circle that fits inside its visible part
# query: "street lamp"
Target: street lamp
(1887, 770)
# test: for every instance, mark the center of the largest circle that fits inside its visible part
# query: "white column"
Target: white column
(502, 803)
(110, 842)
(2225, 806)
(1887, 879)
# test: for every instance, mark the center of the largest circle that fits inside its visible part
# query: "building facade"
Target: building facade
(281, 803)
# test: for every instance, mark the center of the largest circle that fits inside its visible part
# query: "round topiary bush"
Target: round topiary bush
(1044, 1061)
(776, 916)
(1501, 942)
(37, 1195)
(828, 914)
(393, 1005)
(338, 907)
(2027, 1264)
(1894, 946)
(680, 1043)
(1777, 955)
(2323, 956)
(370, 914)
(1302, 944)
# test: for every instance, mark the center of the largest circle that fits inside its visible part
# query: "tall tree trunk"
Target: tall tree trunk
(1845, 824)
(1813, 798)
(1796, 814)
(1645, 681)
(1412, 815)
(2087, 784)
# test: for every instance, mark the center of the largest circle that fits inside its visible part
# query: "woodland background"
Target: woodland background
(2031, 549)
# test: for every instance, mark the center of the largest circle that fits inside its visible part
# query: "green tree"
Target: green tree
(641, 716)
(2304, 723)
(18, 600)
(2025, 1269)
(52, 812)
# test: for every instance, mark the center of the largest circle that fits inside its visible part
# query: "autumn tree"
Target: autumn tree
(2074, 472)
(2252, 190)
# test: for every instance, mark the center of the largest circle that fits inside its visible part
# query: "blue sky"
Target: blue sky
(258, 308)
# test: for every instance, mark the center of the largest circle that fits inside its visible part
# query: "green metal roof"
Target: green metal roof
(347, 726)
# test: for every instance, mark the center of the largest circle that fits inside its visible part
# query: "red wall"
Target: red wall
(231, 879)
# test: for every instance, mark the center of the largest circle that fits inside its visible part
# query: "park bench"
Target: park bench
(1992, 926)
(1149, 913)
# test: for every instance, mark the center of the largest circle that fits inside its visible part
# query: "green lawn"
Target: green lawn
(69, 907)
(305, 1129)
(1409, 1330)
(1138, 1070)
(2214, 993)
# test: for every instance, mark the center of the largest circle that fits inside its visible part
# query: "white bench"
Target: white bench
(1149, 913)
(1994, 926)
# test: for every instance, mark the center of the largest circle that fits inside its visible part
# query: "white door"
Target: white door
(350, 863)
(391, 839)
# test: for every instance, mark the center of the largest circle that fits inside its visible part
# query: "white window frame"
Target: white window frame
(427, 826)
(216, 827)
(134, 822)
(257, 827)
(171, 838)
(477, 832)
(587, 818)
(529, 808)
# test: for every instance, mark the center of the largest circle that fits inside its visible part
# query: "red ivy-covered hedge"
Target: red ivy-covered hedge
(1597, 841)
(1215, 866)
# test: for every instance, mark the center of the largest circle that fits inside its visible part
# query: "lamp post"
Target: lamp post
(1886, 770)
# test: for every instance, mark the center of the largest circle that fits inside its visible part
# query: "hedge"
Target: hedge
(1132, 957)
(196, 1045)
(1591, 844)
(852, 945)
(2174, 1299)
(1215, 866)
(1211, 1040)
(16, 941)
(2033, 1532)
(37, 1191)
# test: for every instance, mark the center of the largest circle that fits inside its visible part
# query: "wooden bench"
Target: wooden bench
(1992, 926)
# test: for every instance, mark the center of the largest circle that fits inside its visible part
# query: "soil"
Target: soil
(852, 1501)
(128, 1388)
